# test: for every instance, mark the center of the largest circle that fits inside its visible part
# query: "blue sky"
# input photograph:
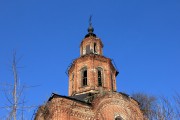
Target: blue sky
(142, 37)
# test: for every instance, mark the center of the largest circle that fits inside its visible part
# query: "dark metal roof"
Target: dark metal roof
(85, 98)
(79, 98)
(90, 34)
(90, 29)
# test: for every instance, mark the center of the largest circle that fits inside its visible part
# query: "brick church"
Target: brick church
(92, 89)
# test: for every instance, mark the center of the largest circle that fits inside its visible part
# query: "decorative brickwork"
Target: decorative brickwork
(91, 62)
(92, 89)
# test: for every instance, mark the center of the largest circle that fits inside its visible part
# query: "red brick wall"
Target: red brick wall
(91, 62)
(90, 41)
(104, 107)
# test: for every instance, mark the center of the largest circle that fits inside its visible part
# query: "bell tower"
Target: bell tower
(91, 72)
(93, 45)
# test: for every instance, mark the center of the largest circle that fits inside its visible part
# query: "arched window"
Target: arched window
(82, 53)
(118, 118)
(100, 76)
(84, 77)
(112, 85)
(88, 49)
(95, 48)
(72, 81)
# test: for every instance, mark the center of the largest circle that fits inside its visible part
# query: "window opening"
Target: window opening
(72, 81)
(82, 53)
(88, 49)
(95, 48)
(99, 78)
(112, 82)
(118, 118)
(84, 77)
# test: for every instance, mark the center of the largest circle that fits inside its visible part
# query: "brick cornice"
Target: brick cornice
(91, 57)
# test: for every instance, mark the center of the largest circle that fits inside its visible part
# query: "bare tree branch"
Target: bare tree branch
(15, 104)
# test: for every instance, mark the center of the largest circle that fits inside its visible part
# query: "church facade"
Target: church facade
(92, 89)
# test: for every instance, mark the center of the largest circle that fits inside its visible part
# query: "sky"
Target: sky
(142, 37)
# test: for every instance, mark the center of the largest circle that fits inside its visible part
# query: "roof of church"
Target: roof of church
(81, 97)
(85, 98)
(78, 98)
